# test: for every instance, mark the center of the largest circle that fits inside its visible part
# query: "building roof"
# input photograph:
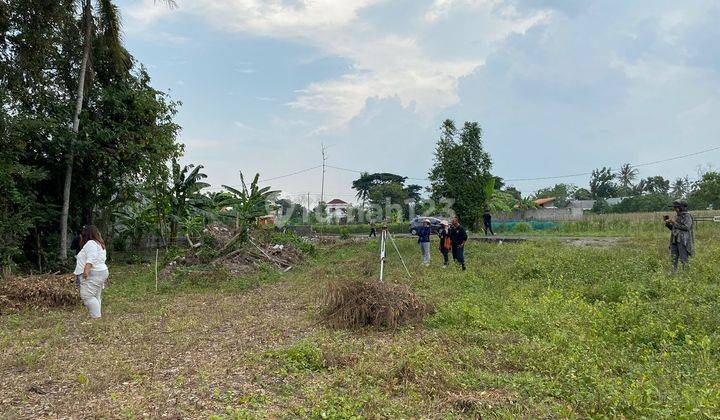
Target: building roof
(543, 201)
(336, 201)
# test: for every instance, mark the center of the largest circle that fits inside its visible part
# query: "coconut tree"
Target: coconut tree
(100, 24)
(680, 187)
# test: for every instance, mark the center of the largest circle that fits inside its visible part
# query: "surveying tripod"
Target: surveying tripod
(384, 236)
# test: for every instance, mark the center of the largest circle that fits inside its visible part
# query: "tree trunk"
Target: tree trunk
(87, 13)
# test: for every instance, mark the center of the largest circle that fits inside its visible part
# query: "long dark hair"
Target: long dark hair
(91, 233)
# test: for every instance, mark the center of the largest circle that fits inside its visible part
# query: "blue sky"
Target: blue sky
(559, 87)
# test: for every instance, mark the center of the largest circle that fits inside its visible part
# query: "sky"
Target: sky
(559, 87)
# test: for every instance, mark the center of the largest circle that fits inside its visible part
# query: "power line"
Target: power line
(290, 174)
(615, 170)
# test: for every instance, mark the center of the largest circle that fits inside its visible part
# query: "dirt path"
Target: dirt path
(185, 357)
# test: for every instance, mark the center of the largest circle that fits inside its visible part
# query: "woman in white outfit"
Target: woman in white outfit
(91, 270)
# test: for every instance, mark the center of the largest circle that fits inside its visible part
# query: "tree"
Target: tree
(707, 192)
(461, 171)
(514, 192)
(125, 135)
(185, 196)
(643, 203)
(582, 194)
(561, 192)
(249, 203)
(101, 32)
(653, 185)
(626, 176)
(601, 183)
(362, 186)
(680, 187)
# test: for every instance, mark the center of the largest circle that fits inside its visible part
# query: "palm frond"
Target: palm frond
(110, 26)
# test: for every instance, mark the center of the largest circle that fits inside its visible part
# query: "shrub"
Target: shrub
(344, 234)
(522, 227)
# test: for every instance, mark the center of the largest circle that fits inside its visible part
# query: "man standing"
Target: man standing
(372, 230)
(487, 223)
(682, 242)
(458, 237)
(424, 233)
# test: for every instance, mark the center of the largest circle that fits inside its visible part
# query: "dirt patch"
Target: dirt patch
(598, 242)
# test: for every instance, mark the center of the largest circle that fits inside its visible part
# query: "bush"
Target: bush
(522, 227)
(344, 234)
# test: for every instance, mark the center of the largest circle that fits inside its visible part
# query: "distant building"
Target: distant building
(588, 204)
(546, 203)
(336, 210)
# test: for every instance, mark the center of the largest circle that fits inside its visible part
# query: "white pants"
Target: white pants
(91, 291)
(425, 246)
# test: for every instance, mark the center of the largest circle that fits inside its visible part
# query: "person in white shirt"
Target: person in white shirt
(91, 270)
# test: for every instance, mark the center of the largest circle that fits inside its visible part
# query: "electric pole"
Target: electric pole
(322, 186)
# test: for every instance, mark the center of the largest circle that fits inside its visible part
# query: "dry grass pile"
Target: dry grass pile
(42, 291)
(356, 303)
(239, 253)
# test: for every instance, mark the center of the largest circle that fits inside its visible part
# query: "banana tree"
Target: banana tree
(249, 203)
(185, 196)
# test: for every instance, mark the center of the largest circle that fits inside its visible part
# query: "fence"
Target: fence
(542, 214)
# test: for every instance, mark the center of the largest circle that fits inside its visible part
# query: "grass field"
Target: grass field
(535, 329)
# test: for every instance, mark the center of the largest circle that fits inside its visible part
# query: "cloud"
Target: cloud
(384, 63)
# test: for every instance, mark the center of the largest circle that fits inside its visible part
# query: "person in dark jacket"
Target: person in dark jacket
(682, 241)
(487, 223)
(424, 233)
(445, 243)
(458, 237)
(75, 244)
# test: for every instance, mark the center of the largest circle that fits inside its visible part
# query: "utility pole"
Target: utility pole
(322, 186)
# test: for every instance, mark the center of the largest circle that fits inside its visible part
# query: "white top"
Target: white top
(92, 253)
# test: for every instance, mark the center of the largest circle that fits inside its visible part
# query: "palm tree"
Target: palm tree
(106, 28)
(680, 187)
(362, 185)
(626, 176)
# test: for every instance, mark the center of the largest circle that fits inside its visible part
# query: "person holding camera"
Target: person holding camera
(682, 241)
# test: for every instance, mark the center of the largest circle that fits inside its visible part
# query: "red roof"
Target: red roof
(543, 201)
(336, 201)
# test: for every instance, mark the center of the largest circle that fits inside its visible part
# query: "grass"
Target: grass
(535, 329)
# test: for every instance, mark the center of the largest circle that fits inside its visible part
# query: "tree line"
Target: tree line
(86, 138)
(653, 193)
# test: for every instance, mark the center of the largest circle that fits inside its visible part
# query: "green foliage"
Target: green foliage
(303, 356)
(707, 191)
(582, 194)
(344, 234)
(601, 206)
(249, 203)
(186, 200)
(643, 203)
(126, 136)
(561, 192)
(601, 183)
(653, 185)
(461, 171)
(522, 227)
